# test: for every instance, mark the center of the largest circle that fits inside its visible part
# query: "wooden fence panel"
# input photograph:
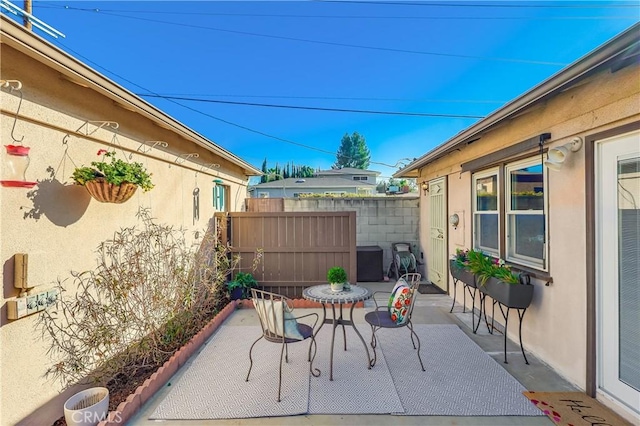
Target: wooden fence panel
(298, 247)
(264, 204)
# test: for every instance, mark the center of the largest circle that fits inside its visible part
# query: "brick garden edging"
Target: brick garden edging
(145, 391)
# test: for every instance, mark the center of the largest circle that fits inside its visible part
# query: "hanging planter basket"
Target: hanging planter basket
(106, 192)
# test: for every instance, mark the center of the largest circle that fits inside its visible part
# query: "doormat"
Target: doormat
(430, 289)
(574, 409)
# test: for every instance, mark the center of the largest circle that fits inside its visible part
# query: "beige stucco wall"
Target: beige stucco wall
(554, 327)
(59, 225)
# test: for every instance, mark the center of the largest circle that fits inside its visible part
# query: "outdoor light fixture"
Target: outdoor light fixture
(557, 156)
(454, 220)
(425, 187)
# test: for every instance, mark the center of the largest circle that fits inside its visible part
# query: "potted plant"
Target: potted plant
(404, 186)
(481, 265)
(497, 280)
(112, 182)
(88, 407)
(337, 277)
(508, 288)
(240, 287)
(458, 266)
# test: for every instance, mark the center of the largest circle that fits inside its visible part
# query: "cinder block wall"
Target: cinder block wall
(380, 221)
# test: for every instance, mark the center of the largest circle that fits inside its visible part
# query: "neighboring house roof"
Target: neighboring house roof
(34, 46)
(319, 182)
(617, 52)
(348, 171)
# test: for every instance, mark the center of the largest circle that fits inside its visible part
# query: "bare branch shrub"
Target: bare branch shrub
(150, 293)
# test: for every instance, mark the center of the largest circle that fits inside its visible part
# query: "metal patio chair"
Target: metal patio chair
(279, 325)
(384, 317)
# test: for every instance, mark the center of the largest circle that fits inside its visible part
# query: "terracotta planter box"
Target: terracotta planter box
(511, 295)
(462, 274)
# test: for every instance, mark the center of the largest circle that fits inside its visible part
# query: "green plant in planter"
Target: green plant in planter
(337, 274)
(337, 277)
(461, 258)
(115, 172)
(504, 273)
(244, 281)
(481, 265)
(485, 267)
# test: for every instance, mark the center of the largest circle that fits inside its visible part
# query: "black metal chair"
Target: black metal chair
(279, 325)
(383, 318)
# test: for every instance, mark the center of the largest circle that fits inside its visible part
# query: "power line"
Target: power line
(306, 16)
(329, 43)
(586, 5)
(414, 114)
(324, 151)
(345, 98)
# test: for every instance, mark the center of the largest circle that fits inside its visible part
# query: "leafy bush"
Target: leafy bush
(337, 274)
(243, 280)
(150, 293)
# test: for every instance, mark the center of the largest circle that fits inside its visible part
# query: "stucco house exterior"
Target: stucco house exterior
(68, 112)
(571, 147)
(326, 182)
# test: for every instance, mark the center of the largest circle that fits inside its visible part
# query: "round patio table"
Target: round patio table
(323, 294)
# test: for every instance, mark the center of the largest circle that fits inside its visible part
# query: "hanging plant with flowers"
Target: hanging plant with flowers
(113, 181)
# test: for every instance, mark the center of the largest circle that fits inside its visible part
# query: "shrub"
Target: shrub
(337, 274)
(150, 293)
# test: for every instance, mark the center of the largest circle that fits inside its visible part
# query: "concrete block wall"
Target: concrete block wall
(380, 221)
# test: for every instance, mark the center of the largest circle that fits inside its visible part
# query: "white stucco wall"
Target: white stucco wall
(59, 225)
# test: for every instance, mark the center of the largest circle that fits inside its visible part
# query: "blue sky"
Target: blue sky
(448, 59)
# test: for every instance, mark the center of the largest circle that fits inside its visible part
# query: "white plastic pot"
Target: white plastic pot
(87, 408)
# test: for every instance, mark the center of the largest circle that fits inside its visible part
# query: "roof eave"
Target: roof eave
(553, 84)
(18, 37)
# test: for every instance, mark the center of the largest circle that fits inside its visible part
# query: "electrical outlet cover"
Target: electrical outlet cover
(42, 301)
(52, 297)
(32, 304)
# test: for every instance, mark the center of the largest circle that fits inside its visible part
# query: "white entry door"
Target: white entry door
(618, 268)
(437, 256)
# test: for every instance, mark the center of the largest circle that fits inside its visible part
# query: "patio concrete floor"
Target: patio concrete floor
(430, 309)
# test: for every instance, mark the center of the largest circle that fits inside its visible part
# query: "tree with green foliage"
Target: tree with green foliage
(290, 170)
(353, 152)
(263, 178)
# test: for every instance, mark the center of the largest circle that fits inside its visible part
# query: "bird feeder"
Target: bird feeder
(14, 167)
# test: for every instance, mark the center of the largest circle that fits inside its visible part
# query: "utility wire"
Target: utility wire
(519, 5)
(333, 98)
(306, 16)
(267, 135)
(414, 114)
(329, 43)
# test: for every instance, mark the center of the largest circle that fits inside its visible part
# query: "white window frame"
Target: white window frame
(495, 171)
(540, 264)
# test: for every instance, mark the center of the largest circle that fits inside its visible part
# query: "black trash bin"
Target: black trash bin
(369, 260)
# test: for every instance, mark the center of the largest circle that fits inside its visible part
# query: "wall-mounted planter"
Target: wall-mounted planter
(462, 274)
(517, 296)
